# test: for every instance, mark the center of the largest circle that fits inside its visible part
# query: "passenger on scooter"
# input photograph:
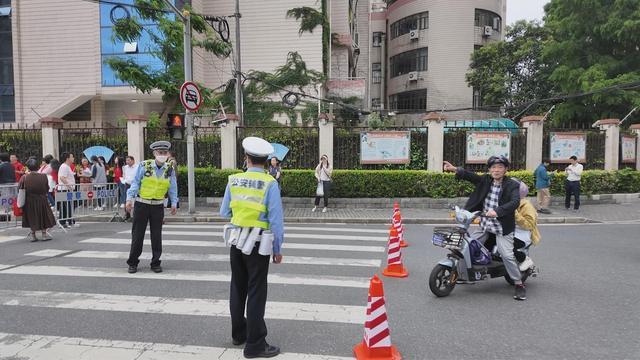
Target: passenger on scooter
(498, 197)
(527, 232)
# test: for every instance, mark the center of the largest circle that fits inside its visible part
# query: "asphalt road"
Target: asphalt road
(71, 298)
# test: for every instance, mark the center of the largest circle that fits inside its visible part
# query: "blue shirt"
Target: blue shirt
(274, 215)
(542, 177)
(135, 185)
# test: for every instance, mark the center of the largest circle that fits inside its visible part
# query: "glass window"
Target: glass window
(414, 60)
(6, 71)
(376, 103)
(377, 39)
(411, 101)
(376, 73)
(487, 18)
(413, 22)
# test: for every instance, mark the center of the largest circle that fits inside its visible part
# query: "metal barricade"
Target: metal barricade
(84, 200)
(8, 197)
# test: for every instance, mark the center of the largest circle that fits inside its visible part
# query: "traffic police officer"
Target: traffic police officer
(252, 201)
(154, 178)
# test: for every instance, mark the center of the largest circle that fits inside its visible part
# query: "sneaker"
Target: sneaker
(132, 269)
(76, 225)
(121, 206)
(324, 210)
(314, 209)
(521, 292)
(32, 237)
(526, 264)
(115, 206)
(97, 208)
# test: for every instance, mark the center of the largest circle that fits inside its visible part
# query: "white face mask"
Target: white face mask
(161, 158)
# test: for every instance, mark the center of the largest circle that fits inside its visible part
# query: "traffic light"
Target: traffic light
(175, 126)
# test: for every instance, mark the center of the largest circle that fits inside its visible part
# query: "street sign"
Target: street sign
(190, 96)
(90, 194)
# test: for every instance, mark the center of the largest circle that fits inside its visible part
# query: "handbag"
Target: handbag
(22, 198)
(320, 189)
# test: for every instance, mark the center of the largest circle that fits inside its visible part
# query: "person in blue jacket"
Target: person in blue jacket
(543, 183)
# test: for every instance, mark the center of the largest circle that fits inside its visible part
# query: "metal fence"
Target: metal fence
(8, 195)
(23, 142)
(76, 140)
(207, 146)
(346, 148)
(303, 144)
(455, 147)
(83, 200)
(594, 150)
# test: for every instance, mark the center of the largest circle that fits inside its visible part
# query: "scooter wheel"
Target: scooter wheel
(442, 280)
(509, 280)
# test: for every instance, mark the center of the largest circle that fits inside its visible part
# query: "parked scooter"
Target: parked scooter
(468, 255)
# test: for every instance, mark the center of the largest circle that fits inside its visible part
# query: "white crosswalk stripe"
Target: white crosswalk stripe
(319, 265)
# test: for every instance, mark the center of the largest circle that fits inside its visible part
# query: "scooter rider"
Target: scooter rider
(498, 197)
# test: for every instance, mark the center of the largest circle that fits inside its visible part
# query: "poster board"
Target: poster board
(385, 147)
(628, 149)
(564, 145)
(481, 145)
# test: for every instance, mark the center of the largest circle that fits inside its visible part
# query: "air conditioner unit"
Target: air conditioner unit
(488, 31)
(413, 76)
(130, 47)
(414, 34)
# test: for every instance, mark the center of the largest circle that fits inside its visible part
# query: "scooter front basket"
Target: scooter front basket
(447, 237)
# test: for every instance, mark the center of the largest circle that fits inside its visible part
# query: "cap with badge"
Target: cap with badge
(160, 145)
(257, 147)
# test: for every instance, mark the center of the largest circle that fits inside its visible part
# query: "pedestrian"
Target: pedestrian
(99, 178)
(323, 176)
(117, 178)
(543, 183)
(54, 166)
(17, 166)
(572, 185)
(254, 214)
(37, 214)
(7, 172)
(66, 183)
(275, 170)
(45, 165)
(154, 178)
(129, 174)
(84, 178)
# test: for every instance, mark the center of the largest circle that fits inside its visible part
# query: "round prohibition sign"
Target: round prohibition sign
(190, 96)
(90, 194)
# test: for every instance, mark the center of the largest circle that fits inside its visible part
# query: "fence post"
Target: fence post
(535, 138)
(135, 136)
(51, 135)
(435, 147)
(228, 142)
(325, 134)
(636, 130)
(612, 142)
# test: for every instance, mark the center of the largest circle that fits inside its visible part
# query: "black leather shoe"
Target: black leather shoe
(268, 352)
(133, 269)
(156, 269)
(239, 342)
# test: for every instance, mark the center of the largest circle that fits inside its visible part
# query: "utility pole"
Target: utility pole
(188, 118)
(239, 99)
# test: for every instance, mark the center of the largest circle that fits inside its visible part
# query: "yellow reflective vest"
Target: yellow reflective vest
(248, 191)
(153, 187)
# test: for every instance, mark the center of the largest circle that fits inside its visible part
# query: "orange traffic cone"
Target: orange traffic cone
(397, 223)
(394, 257)
(377, 338)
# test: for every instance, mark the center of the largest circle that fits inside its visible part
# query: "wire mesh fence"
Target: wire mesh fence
(303, 143)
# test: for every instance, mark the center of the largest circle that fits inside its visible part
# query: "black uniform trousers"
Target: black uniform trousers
(143, 214)
(572, 188)
(249, 287)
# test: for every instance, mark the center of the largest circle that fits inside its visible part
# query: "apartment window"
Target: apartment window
(377, 39)
(376, 73)
(488, 18)
(7, 97)
(413, 60)
(414, 22)
(410, 101)
(376, 103)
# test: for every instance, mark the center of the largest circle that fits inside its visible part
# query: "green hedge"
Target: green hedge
(406, 183)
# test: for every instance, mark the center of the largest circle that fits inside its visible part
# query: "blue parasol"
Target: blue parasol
(98, 151)
(279, 151)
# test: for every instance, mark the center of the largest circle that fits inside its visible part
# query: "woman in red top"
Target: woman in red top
(117, 178)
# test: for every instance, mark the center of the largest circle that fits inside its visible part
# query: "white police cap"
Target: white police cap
(257, 147)
(160, 145)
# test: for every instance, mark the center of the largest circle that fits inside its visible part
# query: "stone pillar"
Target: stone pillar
(325, 133)
(135, 136)
(51, 136)
(97, 112)
(535, 138)
(435, 151)
(612, 142)
(228, 142)
(636, 129)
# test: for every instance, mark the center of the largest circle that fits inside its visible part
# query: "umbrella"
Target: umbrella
(279, 151)
(98, 151)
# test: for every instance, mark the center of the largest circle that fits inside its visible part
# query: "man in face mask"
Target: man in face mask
(153, 180)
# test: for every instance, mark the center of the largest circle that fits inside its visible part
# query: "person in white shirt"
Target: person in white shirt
(323, 175)
(128, 175)
(572, 186)
(66, 182)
